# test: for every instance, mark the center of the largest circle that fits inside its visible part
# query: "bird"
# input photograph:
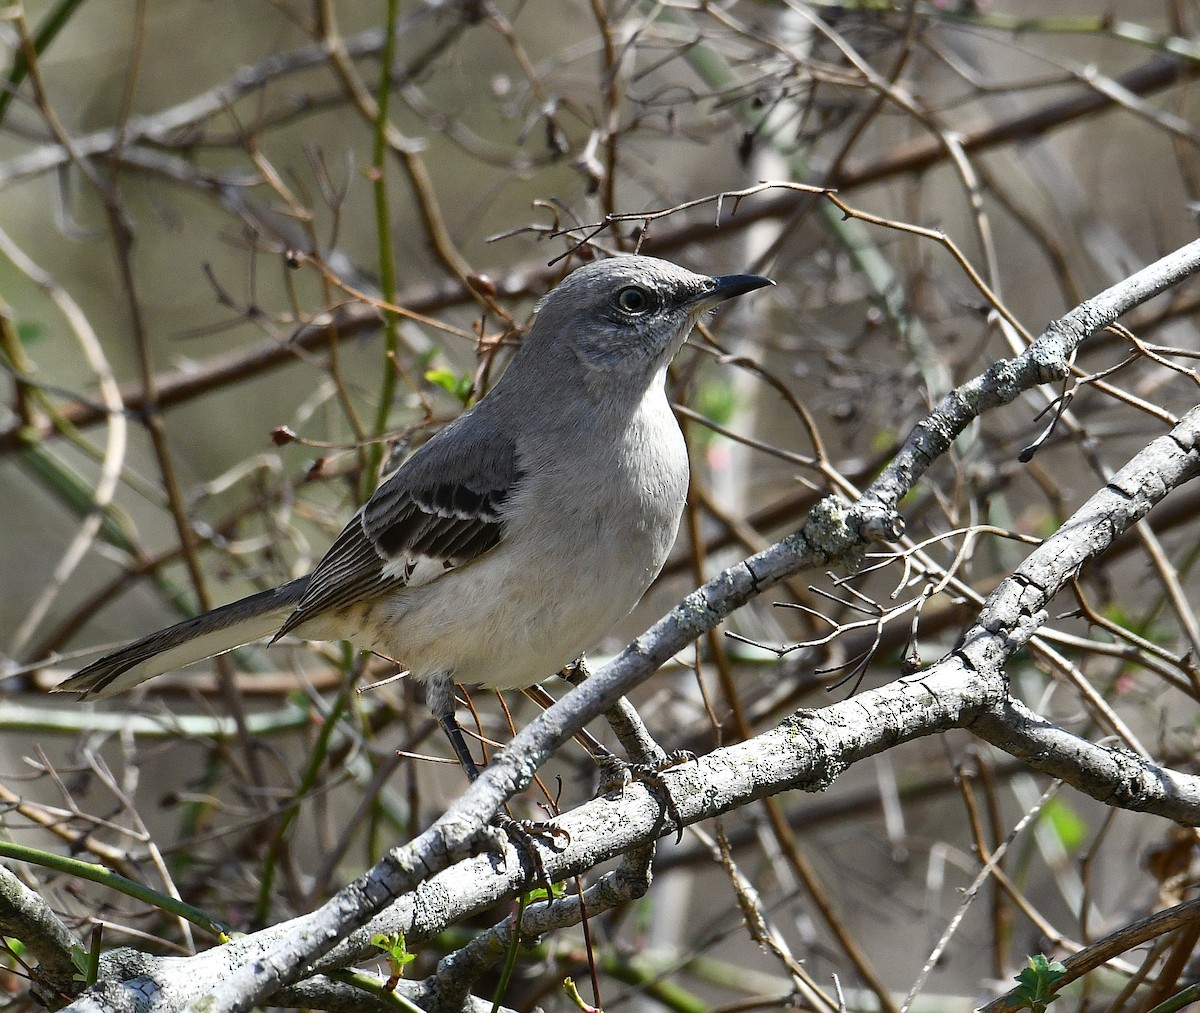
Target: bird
(517, 536)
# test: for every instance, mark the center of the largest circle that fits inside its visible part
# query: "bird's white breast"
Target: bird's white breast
(596, 519)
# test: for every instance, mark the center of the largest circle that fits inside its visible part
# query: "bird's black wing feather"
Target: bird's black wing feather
(441, 509)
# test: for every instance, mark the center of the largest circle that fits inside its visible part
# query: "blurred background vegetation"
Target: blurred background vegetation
(294, 266)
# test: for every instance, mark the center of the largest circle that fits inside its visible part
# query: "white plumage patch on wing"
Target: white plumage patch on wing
(414, 571)
(439, 510)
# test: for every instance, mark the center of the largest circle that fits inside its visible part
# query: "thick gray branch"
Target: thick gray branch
(25, 916)
(1045, 361)
(458, 971)
(808, 751)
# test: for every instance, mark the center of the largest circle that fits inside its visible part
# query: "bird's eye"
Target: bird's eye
(633, 300)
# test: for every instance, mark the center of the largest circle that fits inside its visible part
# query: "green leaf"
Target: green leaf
(1068, 827)
(87, 962)
(458, 386)
(396, 950)
(539, 893)
(1036, 984)
(82, 963)
(572, 992)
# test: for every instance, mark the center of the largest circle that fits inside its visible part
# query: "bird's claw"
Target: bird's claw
(520, 834)
(616, 773)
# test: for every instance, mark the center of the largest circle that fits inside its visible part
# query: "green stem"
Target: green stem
(510, 960)
(387, 259)
(1178, 1000)
(55, 22)
(114, 881)
(315, 762)
(373, 987)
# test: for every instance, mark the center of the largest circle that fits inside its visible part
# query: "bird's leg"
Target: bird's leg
(439, 695)
(647, 759)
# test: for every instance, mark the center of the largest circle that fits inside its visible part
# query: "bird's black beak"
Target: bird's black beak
(729, 286)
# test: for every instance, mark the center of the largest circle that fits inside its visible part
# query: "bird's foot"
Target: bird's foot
(522, 835)
(616, 773)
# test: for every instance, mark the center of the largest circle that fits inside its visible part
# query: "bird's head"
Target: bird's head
(630, 315)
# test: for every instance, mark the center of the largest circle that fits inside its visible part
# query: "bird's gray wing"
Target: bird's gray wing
(441, 509)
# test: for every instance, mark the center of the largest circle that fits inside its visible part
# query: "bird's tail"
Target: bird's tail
(202, 636)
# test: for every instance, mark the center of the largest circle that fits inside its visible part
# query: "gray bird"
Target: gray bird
(514, 539)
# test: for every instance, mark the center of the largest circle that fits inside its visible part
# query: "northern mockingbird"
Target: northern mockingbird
(514, 539)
